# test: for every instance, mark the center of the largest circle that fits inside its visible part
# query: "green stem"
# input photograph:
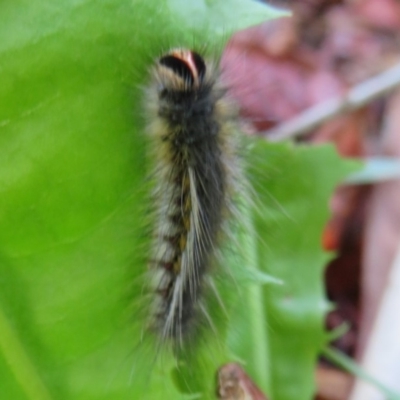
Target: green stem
(258, 324)
(349, 365)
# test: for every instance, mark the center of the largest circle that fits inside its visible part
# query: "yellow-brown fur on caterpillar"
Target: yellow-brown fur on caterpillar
(192, 125)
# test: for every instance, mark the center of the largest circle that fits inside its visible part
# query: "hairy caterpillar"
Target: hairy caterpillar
(192, 125)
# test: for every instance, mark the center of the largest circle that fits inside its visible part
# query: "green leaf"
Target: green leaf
(73, 197)
(73, 206)
(278, 330)
(222, 17)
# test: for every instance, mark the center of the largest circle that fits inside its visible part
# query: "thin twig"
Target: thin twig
(356, 97)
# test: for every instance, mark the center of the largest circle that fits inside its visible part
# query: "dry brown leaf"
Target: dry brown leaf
(235, 384)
